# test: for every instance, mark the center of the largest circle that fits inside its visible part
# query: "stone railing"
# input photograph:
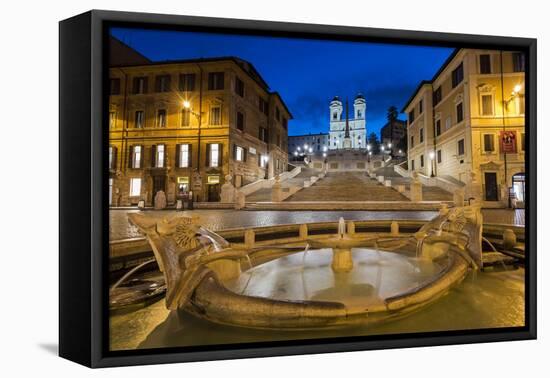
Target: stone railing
(261, 184)
(401, 170)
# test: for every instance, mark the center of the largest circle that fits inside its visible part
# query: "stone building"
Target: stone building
(183, 126)
(395, 132)
(298, 144)
(357, 124)
(468, 123)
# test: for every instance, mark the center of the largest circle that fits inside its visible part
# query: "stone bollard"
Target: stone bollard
(400, 188)
(241, 200)
(307, 184)
(380, 179)
(313, 179)
(387, 183)
(509, 239)
(416, 191)
(227, 191)
(303, 231)
(372, 175)
(458, 197)
(249, 238)
(351, 228)
(394, 228)
(277, 190)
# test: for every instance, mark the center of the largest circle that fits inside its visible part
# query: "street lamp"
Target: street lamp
(432, 156)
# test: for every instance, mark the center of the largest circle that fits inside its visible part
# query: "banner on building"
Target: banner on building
(508, 142)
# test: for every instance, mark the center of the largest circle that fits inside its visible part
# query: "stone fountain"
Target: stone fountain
(315, 281)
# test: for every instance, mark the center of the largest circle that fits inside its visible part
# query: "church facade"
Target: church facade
(356, 126)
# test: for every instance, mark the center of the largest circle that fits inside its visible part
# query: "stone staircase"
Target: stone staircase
(347, 186)
(264, 195)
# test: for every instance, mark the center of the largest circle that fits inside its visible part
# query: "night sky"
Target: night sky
(308, 73)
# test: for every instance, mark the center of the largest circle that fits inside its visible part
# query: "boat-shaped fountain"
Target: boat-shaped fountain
(313, 281)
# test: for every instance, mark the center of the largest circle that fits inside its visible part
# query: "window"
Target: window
(162, 83)
(412, 165)
(263, 134)
(136, 157)
(214, 155)
(485, 64)
(519, 62)
(239, 153)
(216, 115)
(112, 157)
(277, 114)
(264, 108)
(335, 115)
(421, 161)
(459, 113)
(187, 82)
(140, 119)
(240, 121)
(114, 86)
(239, 87)
(161, 118)
(439, 158)
(215, 81)
(420, 107)
(458, 75)
(263, 161)
(437, 96)
(112, 120)
(488, 143)
(448, 123)
(411, 116)
(520, 104)
(412, 141)
(461, 147)
(185, 117)
(487, 104)
(184, 156)
(522, 141)
(140, 85)
(135, 187)
(421, 134)
(159, 156)
(285, 123)
(438, 127)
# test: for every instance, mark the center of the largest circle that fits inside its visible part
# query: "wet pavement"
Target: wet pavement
(223, 219)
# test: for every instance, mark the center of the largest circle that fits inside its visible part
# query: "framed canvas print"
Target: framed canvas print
(234, 188)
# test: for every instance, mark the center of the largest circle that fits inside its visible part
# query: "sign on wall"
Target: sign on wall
(508, 142)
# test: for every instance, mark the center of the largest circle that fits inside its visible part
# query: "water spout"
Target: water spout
(341, 227)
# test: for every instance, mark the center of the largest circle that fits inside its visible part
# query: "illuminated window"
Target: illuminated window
(140, 118)
(487, 104)
(112, 120)
(136, 157)
(214, 155)
(135, 187)
(184, 156)
(216, 115)
(488, 142)
(161, 118)
(159, 156)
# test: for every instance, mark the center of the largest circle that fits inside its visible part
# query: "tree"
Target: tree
(374, 143)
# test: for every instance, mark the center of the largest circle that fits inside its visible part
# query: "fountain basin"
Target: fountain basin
(273, 287)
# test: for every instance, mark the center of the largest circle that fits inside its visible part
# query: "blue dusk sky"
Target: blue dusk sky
(308, 73)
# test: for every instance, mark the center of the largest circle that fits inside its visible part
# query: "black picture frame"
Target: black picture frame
(83, 231)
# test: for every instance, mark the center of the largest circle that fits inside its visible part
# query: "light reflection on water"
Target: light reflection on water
(486, 300)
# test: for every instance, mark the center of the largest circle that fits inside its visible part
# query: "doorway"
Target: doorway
(213, 193)
(518, 187)
(491, 186)
(159, 183)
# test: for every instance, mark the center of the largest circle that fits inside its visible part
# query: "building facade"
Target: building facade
(301, 144)
(357, 124)
(395, 133)
(468, 124)
(183, 126)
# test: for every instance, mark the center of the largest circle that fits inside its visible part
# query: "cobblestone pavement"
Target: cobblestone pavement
(222, 219)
